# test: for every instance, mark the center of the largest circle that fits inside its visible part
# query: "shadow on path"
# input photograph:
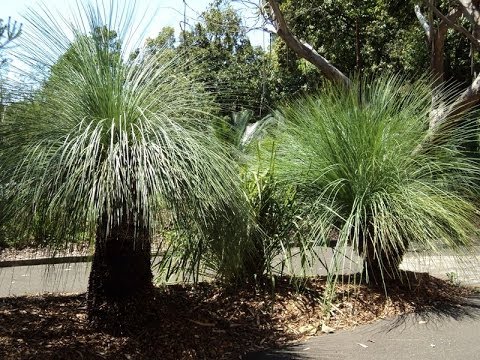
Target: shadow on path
(442, 331)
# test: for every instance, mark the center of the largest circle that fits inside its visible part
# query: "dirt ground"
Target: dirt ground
(207, 322)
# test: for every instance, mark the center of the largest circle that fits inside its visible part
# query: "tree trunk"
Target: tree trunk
(358, 49)
(449, 116)
(120, 283)
(382, 265)
(381, 261)
(437, 58)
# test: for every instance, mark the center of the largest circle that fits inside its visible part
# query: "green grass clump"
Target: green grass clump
(364, 173)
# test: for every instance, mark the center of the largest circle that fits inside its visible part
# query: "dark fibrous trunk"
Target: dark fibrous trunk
(381, 261)
(381, 265)
(120, 284)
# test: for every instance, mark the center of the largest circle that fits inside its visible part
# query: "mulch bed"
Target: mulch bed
(208, 322)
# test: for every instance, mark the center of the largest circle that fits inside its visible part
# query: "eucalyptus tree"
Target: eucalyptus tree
(9, 31)
(116, 149)
(463, 16)
(376, 35)
(234, 70)
(354, 36)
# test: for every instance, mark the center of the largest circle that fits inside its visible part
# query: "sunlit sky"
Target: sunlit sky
(164, 12)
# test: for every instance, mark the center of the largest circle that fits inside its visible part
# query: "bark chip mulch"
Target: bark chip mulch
(206, 322)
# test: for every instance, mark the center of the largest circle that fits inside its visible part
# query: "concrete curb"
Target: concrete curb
(54, 260)
(46, 261)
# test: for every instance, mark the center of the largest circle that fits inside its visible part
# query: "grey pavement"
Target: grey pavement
(52, 278)
(73, 277)
(450, 333)
(464, 269)
(38, 279)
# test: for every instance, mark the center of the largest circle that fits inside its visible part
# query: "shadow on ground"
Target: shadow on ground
(440, 318)
(461, 310)
(186, 323)
(207, 322)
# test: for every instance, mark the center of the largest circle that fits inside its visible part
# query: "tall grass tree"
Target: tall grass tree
(118, 148)
(366, 177)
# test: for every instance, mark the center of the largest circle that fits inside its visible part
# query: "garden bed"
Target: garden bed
(206, 322)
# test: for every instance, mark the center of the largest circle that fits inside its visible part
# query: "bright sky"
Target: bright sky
(168, 13)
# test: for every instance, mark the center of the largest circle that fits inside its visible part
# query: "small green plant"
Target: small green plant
(241, 250)
(453, 278)
(272, 209)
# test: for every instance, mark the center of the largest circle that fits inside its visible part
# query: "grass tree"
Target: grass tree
(363, 175)
(115, 147)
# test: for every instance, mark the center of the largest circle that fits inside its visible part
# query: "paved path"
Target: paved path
(40, 279)
(37, 279)
(71, 278)
(452, 333)
(464, 269)
(449, 334)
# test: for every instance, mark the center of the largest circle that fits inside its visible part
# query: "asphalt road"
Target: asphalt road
(449, 334)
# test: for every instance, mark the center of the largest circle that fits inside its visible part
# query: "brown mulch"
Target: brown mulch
(206, 322)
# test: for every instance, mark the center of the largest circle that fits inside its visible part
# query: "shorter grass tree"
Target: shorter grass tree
(365, 175)
(116, 149)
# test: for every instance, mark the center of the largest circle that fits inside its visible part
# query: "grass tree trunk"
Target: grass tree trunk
(381, 259)
(381, 265)
(120, 283)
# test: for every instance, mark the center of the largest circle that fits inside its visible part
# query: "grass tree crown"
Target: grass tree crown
(365, 174)
(108, 136)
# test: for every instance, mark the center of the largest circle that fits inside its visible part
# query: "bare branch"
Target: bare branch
(10, 31)
(305, 50)
(423, 21)
(450, 21)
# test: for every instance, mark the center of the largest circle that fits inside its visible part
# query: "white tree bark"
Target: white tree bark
(305, 50)
(447, 116)
(423, 21)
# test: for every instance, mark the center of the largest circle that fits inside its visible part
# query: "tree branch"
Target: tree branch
(470, 10)
(303, 49)
(450, 20)
(10, 31)
(423, 21)
(466, 100)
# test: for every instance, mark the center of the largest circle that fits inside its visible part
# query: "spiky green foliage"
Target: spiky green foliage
(270, 227)
(113, 134)
(355, 157)
(273, 209)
